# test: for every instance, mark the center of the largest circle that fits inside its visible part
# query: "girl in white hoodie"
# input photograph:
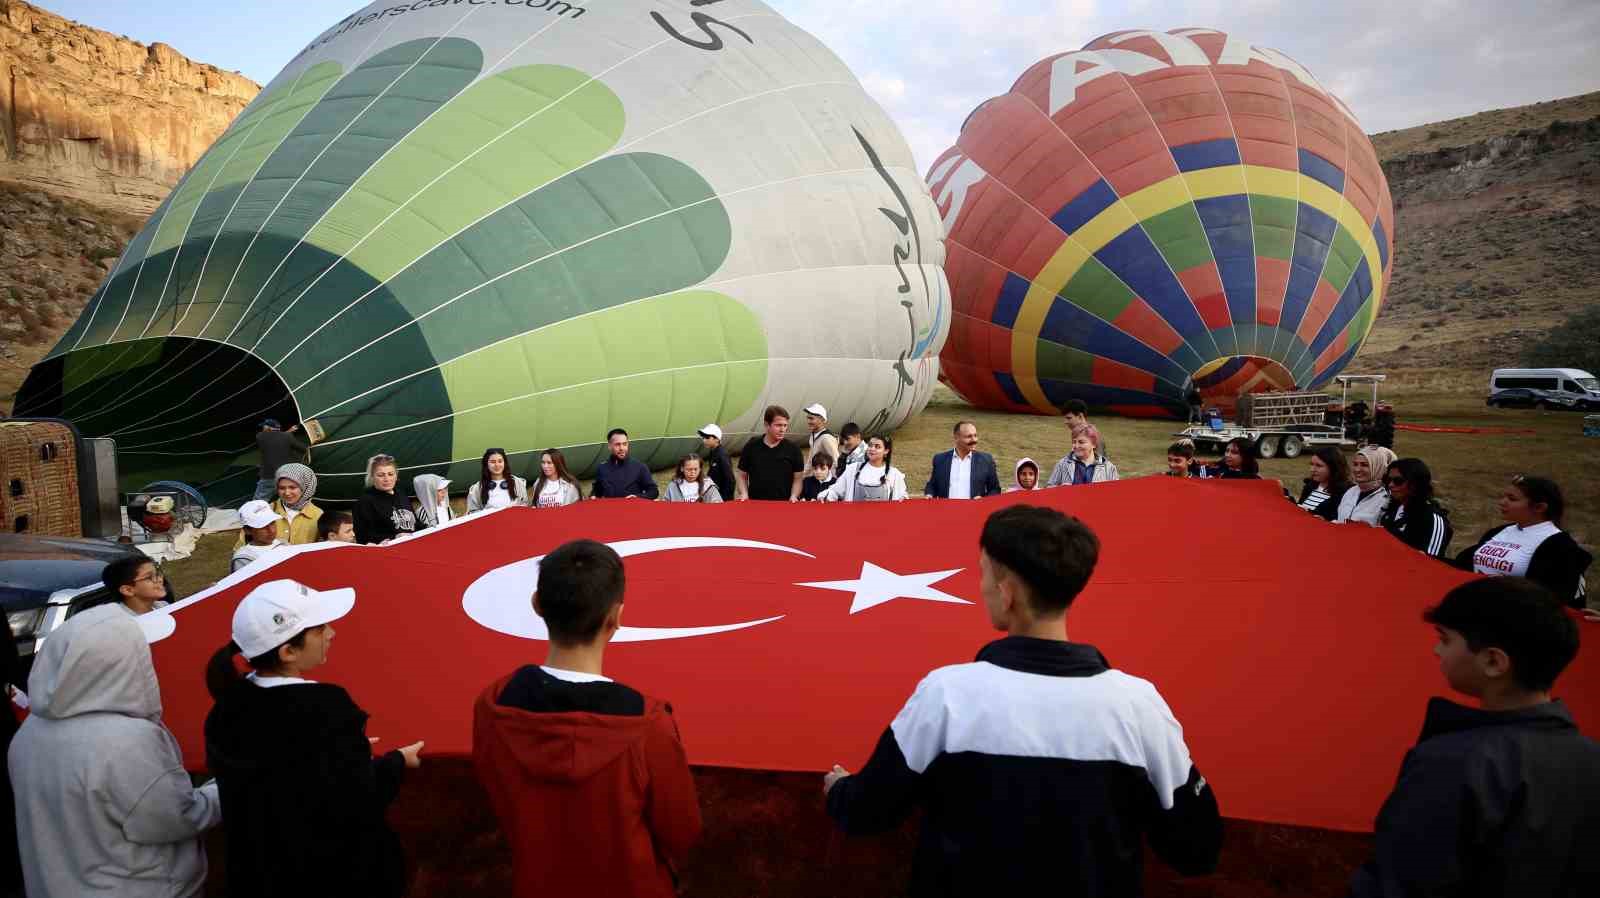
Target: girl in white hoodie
(1027, 476)
(104, 806)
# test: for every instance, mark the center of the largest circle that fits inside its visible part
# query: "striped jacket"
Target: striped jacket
(1038, 767)
(1427, 529)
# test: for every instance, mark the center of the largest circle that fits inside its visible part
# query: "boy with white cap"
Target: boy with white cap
(819, 437)
(719, 467)
(303, 798)
(259, 526)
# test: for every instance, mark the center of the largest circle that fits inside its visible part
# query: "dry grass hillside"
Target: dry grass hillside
(1497, 217)
(1484, 126)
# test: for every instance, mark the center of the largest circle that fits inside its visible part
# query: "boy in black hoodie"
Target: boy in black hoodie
(1504, 798)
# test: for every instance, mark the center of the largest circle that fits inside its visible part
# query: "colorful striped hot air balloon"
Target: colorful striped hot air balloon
(450, 226)
(1156, 214)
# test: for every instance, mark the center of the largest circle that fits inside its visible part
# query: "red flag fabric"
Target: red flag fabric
(787, 636)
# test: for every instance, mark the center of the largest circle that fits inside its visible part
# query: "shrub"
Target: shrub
(1574, 343)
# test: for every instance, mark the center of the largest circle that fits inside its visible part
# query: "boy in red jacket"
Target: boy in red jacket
(587, 776)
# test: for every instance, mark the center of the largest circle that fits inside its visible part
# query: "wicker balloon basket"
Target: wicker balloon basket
(39, 479)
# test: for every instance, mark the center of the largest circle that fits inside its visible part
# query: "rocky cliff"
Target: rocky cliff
(101, 118)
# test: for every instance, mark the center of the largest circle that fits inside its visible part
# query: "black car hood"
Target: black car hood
(33, 567)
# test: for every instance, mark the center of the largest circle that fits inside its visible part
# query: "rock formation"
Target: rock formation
(102, 118)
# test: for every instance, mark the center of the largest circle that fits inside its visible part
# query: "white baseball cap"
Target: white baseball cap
(711, 430)
(816, 408)
(274, 612)
(257, 513)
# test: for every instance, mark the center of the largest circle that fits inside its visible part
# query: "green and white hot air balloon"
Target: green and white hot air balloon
(447, 226)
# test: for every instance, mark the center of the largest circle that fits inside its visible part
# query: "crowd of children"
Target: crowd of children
(590, 782)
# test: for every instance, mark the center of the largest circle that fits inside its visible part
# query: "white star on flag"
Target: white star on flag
(877, 585)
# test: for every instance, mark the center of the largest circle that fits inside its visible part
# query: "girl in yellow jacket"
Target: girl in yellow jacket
(297, 516)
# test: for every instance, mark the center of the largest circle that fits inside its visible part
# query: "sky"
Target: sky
(930, 62)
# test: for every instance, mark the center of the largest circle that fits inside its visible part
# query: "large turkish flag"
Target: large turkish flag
(787, 636)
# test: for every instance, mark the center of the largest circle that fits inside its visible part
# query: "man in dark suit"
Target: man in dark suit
(963, 472)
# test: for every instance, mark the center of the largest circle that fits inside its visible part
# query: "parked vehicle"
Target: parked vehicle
(1551, 388)
(1287, 423)
(1516, 397)
(46, 579)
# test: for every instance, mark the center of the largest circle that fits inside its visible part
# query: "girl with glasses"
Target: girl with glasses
(1414, 516)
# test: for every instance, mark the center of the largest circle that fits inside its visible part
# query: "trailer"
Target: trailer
(1285, 424)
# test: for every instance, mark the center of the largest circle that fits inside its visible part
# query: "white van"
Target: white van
(1544, 388)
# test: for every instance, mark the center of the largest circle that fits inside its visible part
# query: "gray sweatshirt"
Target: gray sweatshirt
(104, 806)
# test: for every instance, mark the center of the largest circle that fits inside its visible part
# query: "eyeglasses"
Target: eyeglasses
(153, 577)
(1394, 481)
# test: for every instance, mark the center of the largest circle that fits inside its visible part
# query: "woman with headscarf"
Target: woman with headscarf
(1364, 502)
(433, 500)
(297, 515)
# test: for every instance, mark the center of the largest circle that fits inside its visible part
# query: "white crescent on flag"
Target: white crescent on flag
(502, 600)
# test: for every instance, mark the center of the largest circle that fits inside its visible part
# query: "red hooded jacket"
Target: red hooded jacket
(593, 802)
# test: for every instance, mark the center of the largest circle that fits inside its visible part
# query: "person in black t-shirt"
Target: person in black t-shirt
(771, 468)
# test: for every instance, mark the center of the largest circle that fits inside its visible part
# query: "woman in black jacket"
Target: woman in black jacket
(1531, 543)
(381, 514)
(1414, 516)
(303, 799)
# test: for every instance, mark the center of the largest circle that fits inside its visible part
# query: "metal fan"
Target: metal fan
(166, 505)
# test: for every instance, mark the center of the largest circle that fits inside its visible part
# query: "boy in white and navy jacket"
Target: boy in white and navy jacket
(1038, 766)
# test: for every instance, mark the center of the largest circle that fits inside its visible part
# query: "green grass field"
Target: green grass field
(1469, 470)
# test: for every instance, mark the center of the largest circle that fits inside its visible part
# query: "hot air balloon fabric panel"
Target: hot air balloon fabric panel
(461, 226)
(1156, 211)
